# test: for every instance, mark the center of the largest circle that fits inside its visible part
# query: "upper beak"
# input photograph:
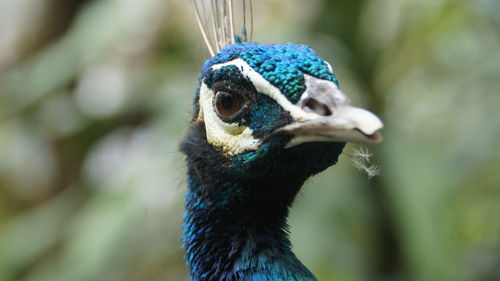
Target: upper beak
(329, 117)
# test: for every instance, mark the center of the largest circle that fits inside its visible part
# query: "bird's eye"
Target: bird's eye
(228, 105)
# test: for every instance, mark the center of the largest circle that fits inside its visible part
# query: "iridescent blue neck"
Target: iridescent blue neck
(234, 237)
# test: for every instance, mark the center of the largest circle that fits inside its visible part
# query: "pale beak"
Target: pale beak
(331, 118)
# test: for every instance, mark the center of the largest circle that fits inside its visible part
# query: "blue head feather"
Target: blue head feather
(283, 65)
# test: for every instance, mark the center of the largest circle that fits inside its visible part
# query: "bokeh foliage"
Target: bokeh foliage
(95, 95)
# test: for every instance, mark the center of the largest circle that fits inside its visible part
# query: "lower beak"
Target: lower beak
(346, 124)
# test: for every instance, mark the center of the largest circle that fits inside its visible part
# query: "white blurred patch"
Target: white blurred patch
(134, 160)
(102, 90)
(18, 20)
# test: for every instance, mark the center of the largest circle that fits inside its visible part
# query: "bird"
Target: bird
(266, 117)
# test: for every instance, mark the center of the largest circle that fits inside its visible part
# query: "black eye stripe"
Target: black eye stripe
(245, 89)
(226, 73)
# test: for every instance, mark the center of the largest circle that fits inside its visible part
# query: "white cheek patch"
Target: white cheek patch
(231, 137)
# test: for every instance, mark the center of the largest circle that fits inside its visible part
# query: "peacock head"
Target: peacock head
(268, 109)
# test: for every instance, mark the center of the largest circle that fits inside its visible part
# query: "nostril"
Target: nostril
(317, 107)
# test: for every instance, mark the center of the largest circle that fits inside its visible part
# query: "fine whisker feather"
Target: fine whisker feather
(251, 20)
(226, 24)
(362, 153)
(202, 29)
(216, 21)
(231, 22)
(222, 19)
(360, 158)
(244, 30)
(370, 170)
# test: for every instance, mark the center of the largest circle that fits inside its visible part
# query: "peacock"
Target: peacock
(266, 118)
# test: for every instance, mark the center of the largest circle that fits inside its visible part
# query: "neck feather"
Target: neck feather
(238, 231)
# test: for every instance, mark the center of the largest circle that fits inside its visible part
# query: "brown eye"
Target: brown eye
(228, 104)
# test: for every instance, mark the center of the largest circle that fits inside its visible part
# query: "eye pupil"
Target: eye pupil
(226, 100)
(228, 104)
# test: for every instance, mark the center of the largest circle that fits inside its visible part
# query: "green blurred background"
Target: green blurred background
(95, 96)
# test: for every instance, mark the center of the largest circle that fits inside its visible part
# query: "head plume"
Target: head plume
(216, 20)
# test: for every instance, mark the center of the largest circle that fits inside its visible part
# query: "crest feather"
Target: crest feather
(216, 20)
